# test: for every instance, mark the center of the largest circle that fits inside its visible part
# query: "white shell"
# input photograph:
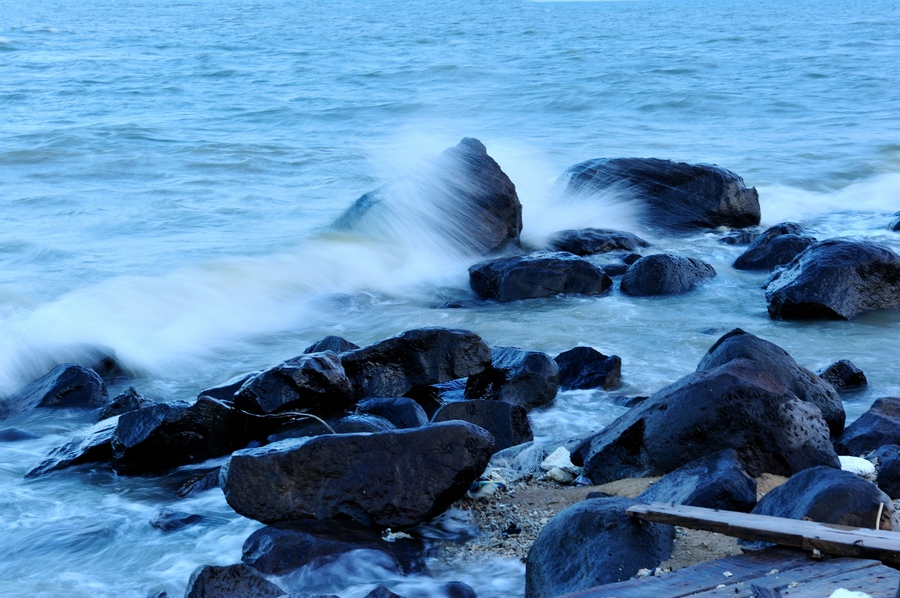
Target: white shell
(859, 466)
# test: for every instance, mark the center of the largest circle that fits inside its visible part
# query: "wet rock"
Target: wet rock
(739, 237)
(843, 375)
(835, 279)
(613, 270)
(829, 495)
(593, 543)
(400, 411)
(284, 547)
(714, 481)
(197, 482)
(777, 246)
(464, 198)
(123, 403)
(895, 223)
(91, 446)
(331, 343)
(737, 405)
(589, 241)
(420, 357)
(65, 386)
(800, 381)
(168, 520)
(225, 392)
(517, 376)
(663, 274)
(382, 591)
(585, 367)
(507, 423)
(887, 464)
(678, 196)
(458, 589)
(539, 274)
(395, 479)
(314, 382)
(433, 397)
(878, 426)
(361, 423)
(230, 581)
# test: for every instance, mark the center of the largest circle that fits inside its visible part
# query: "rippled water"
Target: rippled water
(167, 170)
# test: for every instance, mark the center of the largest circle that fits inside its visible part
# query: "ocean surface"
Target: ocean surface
(169, 169)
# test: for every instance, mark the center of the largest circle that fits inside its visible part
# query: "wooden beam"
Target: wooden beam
(827, 538)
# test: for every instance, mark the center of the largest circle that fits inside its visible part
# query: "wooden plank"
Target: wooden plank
(808, 535)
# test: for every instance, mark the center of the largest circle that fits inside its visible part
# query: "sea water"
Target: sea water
(169, 169)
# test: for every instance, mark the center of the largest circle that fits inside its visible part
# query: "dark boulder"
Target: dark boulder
(878, 426)
(843, 375)
(433, 397)
(91, 446)
(168, 520)
(585, 367)
(835, 279)
(464, 198)
(65, 386)
(775, 360)
(507, 423)
(225, 392)
(395, 479)
(678, 196)
(664, 274)
(314, 382)
(382, 591)
(526, 378)
(777, 246)
(589, 241)
(458, 589)
(420, 357)
(230, 581)
(331, 343)
(829, 495)
(592, 543)
(539, 274)
(284, 547)
(400, 411)
(123, 403)
(714, 481)
(887, 464)
(737, 405)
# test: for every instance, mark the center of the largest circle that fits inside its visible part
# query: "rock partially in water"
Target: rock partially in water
(878, 426)
(589, 241)
(230, 581)
(586, 367)
(843, 375)
(225, 392)
(591, 543)
(517, 376)
(331, 343)
(664, 274)
(777, 246)
(382, 591)
(739, 237)
(835, 279)
(678, 196)
(91, 446)
(129, 400)
(403, 412)
(895, 223)
(65, 386)
(168, 520)
(539, 274)
(507, 423)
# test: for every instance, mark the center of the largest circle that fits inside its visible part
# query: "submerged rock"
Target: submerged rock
(777, 246)
(539, 274)
(678, 195)
(586, 367)
(589, 241)
(65, 386)
(664, 274)
(517, 376)
(507, 423)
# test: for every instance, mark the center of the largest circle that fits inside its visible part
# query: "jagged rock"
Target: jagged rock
(526, 378)
(415, 358)
(835, 279)
(777, 246)
(168, 520)
(589, 241)
(331, 343)
(66, 386)
(507, 423)
(92, 445)
(878, 426)
(800, 381)
(230, 581)
(400, 411)
(678, 195)
(585, 367)
(664, 274)
(314, 382)
(592, 543)
(284, 547)
(887, 464)
(123, 403)
(843, 375)
(395, 479)
(714, 481)
(464, 198)
(538, 274)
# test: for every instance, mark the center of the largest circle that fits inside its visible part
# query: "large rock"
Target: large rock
(415, 358)
(394, 479)
(91, 446)
(714, 481)
(843, 375)
(230, 581)
(678, 195)
(775, 360)
(586, 367)
(835, 279)
(538, 274)
(464, 198)
(65, 386)
(829, 495)
(314, 382)
(589, 241)
(517, 376)
(592, 543)
(664, 274)
(737, 405)
(507, 423)
(878, 426)
(777, 246)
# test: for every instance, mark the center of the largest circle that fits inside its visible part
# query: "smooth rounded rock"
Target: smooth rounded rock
(777, 246)
(400, 411)
(589, 241)
(536, 275)
(664, 274)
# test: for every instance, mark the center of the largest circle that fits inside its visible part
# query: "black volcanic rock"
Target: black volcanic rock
(586, 367)
(589, 241)
(777, 246)
(507, 423)
(526, 378)
(65, 386)
(878, 426)
(331, 343)
(230, 581)
(843, 375)
(539, 274)
(400, 411)
(678, 196)
(123, 403)
(664, 274)
(92, 445)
